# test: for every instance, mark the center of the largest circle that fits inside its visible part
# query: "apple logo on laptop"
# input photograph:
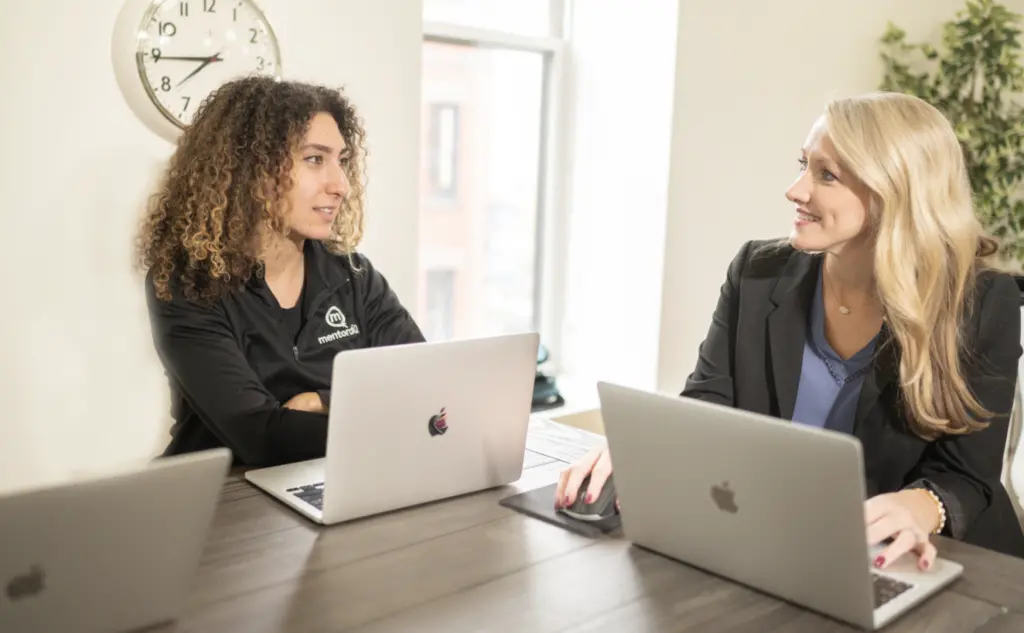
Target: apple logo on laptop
(438, 424)
(724, 498)
(29, 584)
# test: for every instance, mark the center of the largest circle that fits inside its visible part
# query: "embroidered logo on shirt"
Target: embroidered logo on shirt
(336, 318)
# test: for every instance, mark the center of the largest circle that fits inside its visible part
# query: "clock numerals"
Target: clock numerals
(209, 6)
(190, 38)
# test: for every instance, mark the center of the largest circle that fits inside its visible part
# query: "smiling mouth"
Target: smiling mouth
(806, 217)
(325, 211)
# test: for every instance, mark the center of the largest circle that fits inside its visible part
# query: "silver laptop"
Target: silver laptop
(111, 553)
(771, 504)
(410, 424)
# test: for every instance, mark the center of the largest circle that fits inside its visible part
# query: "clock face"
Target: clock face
(187, 48)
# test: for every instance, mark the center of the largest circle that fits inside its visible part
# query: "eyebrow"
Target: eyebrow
(345, 152)
(830, 164)
(820, 158)
(317, 146)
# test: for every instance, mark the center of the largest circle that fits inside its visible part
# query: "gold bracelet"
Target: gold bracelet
(941, 508)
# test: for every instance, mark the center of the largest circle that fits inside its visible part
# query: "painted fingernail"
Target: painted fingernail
(880, 561)
(566, 501)
(925, 564)
(590, 498)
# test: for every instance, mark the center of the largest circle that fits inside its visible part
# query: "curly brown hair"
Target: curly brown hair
(226, 183)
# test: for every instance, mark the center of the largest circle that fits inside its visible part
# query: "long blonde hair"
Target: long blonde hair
(929, 247)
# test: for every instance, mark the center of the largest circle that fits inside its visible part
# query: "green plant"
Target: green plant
(977, 83)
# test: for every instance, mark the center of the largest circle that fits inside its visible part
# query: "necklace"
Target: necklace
(842, 309)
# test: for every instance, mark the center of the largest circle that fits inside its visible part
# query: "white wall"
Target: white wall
(80, 387)
(751, 78)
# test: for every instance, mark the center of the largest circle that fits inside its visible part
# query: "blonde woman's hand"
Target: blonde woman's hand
(907, 516)
(598, 464)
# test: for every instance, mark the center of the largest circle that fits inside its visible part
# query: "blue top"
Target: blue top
(829, 386)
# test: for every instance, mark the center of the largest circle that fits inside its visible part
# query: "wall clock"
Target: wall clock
(168, 55)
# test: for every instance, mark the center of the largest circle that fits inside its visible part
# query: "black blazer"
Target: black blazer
(752, 356)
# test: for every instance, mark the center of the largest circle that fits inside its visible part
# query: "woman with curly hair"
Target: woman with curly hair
(253, 280)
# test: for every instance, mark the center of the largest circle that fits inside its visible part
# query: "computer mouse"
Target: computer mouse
(599, 509)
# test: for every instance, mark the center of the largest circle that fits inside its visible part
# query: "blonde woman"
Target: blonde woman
(253, 281)
(880, 317)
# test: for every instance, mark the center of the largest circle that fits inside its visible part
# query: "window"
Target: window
(524, 17)
(489, 101)
(443, 149)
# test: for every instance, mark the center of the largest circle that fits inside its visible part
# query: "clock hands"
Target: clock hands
(206, 62)
(201, 58)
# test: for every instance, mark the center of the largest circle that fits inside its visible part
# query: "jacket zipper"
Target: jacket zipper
(314, 306)
(320, 298)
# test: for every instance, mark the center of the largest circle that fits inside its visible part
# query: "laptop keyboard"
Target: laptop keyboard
(313, 494)
(887, 588)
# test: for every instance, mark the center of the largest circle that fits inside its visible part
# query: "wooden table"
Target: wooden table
(468, 564)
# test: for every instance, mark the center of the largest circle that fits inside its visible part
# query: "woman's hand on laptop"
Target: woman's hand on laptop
(309, 401)
(907, 517)
(598, 464)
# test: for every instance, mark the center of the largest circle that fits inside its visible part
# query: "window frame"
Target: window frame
(437, 190)
(450, 277)
(551, 242)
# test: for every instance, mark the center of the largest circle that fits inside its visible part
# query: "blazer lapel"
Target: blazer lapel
(787, 327)
(884, 372)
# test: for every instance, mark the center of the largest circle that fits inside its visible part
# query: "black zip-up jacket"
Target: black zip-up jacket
(232, 364)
